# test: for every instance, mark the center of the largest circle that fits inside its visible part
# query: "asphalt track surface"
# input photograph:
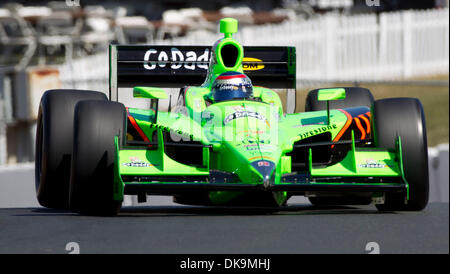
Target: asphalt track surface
(181, 229)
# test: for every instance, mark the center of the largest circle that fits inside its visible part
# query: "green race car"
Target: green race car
(229, 140)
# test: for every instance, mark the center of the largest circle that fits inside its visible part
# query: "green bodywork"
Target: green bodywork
(149, 93)
(238, 134)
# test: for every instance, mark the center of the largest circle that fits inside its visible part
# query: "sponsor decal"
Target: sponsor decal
(371, 163)
(250, 63)
(227, 87)
(260, 147)
(176, 59)
(317, 131)
(241, 114)
(136, 162)
(250, 139)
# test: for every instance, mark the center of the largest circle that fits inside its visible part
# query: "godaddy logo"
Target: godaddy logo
(252, 64)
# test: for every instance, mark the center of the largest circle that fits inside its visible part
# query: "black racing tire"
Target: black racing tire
(54, 132)
(320, 201)
(404, 117)
(92, 174)
(354, 97)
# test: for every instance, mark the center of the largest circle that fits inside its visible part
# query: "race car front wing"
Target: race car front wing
(355, 173)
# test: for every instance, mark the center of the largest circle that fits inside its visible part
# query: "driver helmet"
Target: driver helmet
(231, 85)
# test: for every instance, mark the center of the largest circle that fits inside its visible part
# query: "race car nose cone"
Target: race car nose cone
(265, 168)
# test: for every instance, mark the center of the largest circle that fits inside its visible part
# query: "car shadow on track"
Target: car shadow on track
(300, 209)
(179, 210)
(41, 211)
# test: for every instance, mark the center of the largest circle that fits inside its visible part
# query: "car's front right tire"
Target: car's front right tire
(92, 174)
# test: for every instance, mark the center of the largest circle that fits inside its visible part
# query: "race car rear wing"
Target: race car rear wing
(179, 66)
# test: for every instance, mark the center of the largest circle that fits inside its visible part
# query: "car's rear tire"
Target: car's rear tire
(92, 177)
(54, 144)
(404, 117)
(354, 97)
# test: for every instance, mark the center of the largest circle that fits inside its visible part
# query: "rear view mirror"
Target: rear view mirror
(328, 94)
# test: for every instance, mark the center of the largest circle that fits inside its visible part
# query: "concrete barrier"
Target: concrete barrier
(17, 187)
(439, 178)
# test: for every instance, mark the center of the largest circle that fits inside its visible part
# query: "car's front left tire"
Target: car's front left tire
(404, 117)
